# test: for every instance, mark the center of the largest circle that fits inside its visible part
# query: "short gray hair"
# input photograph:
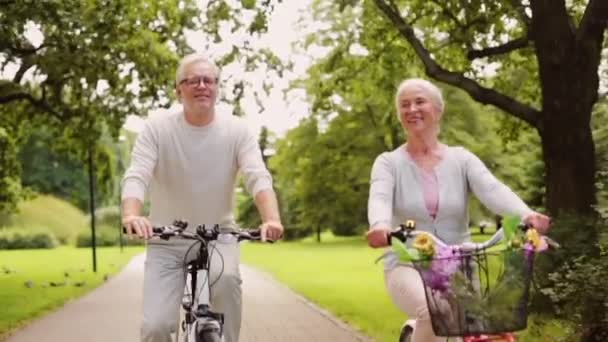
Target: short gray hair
(192, 58)
(427, 87)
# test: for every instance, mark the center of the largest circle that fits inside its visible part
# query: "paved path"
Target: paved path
(112, 312)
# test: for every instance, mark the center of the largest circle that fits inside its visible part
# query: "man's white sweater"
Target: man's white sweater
(191, 171)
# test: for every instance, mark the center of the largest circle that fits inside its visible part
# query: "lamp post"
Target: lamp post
(121, 140)
(92, 204)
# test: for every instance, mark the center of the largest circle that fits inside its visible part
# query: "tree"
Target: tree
(556, 47)
(80, 67)
(50, 168)
(83, 66)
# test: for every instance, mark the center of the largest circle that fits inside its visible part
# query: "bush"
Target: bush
(60, 217)
(107, 216)
(292, 233)
(582, 281)
(576, 276)
(105, 236)
(24, 239)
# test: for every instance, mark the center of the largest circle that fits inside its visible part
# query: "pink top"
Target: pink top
(430, 190)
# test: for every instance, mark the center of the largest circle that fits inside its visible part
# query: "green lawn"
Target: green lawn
(38, 268)
(340, 276)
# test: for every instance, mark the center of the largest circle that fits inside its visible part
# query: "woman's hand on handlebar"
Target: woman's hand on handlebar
(137, 225)
(538, 221)
(377, 236)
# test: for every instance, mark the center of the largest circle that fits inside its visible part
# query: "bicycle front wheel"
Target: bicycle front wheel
(209, 336)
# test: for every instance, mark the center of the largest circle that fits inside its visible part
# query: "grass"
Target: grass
(340, 275)
(21, 304)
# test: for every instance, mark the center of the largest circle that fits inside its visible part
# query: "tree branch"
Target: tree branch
(25, 66)
(474, 89)
(38, 103)
(26, 50)
(594, 22)
(447, 13)
(499, 50)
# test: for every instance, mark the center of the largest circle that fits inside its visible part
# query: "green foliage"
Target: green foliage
(108, 230)
(63, 219)
(577, 287)
(105, 236)
(51, 168)
(81, 67)
(27, 239)
(600, 136)
(572, 279)
(10, 172)
(109, 216)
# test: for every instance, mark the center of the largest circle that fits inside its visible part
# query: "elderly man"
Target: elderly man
(189, 162)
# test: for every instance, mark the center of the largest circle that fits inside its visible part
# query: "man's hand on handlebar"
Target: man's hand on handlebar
(377, 236)
(271, 230)
(139, 226)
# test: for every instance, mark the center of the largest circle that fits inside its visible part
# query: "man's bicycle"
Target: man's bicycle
(198, 322)
(475, 291)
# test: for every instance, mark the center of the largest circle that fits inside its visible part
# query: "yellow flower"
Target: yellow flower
(533, 237)
(424, 244)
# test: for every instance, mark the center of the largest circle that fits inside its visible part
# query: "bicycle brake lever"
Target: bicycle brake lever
(551, 243)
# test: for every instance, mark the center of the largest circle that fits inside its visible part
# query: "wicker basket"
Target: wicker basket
(477, 293)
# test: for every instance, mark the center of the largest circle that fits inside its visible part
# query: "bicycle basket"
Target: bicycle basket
(478, 292)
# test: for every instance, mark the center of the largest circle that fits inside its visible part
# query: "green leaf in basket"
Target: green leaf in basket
(509, 227)
(403, 253)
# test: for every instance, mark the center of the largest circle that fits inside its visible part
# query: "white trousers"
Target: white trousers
(407, 292)
(164, 282)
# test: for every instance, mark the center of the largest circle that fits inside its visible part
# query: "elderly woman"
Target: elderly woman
(429, 182)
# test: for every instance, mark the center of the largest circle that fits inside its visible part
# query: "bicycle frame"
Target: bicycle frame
(198, 318)
(200, 324)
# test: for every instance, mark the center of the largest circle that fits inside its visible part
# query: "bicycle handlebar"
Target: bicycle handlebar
(407, 231)
(204, 234)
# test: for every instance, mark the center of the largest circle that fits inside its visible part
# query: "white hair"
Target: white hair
(433, 92)
(192, 58)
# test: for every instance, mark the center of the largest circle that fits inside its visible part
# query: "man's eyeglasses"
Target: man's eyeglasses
(194, 81)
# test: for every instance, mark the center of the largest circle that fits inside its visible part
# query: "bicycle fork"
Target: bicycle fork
(200, 324)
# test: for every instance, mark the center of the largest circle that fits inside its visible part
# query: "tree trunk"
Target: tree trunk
(569, 156)
(568, 60)
(567, 65)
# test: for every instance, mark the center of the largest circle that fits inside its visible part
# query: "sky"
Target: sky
(280, 113)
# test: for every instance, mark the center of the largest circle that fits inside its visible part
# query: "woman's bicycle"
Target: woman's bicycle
(198, 322)
(475, 291)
